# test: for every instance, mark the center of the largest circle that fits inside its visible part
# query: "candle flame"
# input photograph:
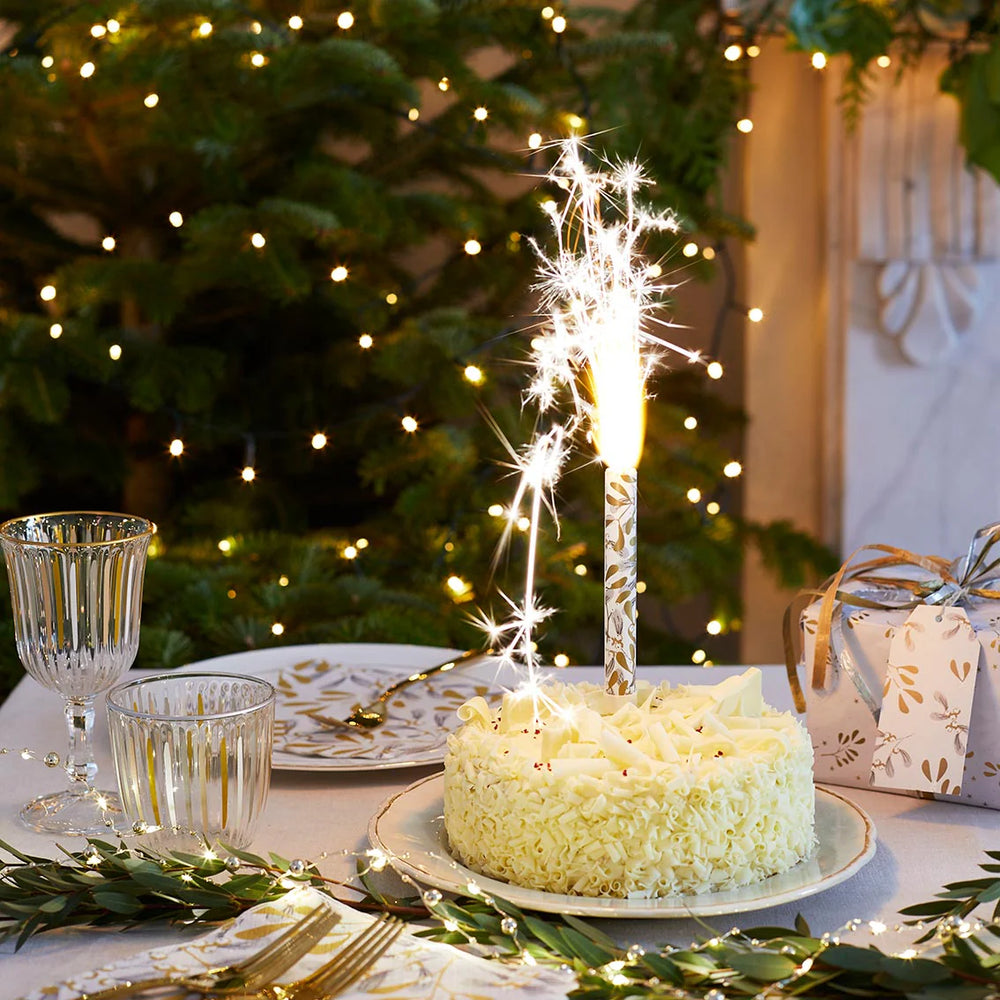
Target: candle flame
(618, 386)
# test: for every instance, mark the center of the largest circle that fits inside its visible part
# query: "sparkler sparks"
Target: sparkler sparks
(591, 360)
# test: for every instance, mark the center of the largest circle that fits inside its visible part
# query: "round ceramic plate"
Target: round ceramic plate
(409, 827)
(329, 679)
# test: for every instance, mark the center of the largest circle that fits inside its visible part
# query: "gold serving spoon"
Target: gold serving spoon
(373, 714)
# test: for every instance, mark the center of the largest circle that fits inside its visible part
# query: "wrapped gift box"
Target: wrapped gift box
(907, 699)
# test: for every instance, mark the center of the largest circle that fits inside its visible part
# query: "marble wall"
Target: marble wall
(921, 387)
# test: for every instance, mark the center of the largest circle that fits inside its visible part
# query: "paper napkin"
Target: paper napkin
(412, 969)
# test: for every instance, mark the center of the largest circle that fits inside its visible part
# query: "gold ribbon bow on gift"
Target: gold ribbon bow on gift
(975, 575)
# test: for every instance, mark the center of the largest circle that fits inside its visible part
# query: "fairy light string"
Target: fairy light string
(711, 968)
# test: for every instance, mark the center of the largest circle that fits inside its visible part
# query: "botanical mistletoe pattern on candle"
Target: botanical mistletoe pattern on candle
(620, 489)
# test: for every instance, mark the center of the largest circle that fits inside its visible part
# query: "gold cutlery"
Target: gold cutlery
(346, 967)
(250, 974)
(373, 714)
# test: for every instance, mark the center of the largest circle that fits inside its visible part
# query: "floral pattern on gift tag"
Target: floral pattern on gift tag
(927, 702)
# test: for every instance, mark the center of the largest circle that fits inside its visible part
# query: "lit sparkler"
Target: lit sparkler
(601, 341)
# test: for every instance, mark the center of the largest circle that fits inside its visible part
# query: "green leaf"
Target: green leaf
(765, 967)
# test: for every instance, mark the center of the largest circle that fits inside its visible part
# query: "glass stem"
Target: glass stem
(80, 725)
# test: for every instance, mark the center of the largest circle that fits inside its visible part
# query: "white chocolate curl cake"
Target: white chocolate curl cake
(666, 792)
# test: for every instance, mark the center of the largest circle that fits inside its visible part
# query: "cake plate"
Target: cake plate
(409, 827)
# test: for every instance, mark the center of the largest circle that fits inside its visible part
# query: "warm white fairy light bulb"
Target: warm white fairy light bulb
(258, 59)
(580, 569)
(708, 253)
(694, 494)
(87, 70)
(444, 84)
(819, 60)
(362, 543)
(339, 273)
(99, 30)
(114, 26)
(392, 298)
(409, 424)
(318, 440)
(256, 27)
(108, 243)
(714, 627)
(205, 29)
(151, 100)
(48, 62)
(47, 293)
(176, 219)
(56, 331)
(457, 585)
(345, 20)
(176, 447)
(712, 508)
(574, 121)
(753, 51)
(115, 352)
(755, 314)
(472, 247)
(745, 125)
(277, 629)
(295, 22)
(714, 370)
(495, 510)
(548, 13)
(365, 341)
(698, 656)
(534, 140)
(481, 114)
(350, 552)
(283, 580)
(732, 469)
(640, 586)
(249, 474)
(559, 24)
(884, 62)
(473, 374)
(225, 545)
(733, 52)
(258, 240)
(690, 249)
(690, 423)
(413, 114)
(560, 660)
(523, 523)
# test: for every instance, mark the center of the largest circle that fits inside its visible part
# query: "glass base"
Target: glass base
(74, 813)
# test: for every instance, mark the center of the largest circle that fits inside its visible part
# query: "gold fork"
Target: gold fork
(250, 974)
(372, 715)
(346, 967)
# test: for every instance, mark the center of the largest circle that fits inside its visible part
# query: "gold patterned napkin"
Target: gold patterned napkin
(416, 731)
(412, 969)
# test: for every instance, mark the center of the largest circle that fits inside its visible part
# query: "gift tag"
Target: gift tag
(930, 679)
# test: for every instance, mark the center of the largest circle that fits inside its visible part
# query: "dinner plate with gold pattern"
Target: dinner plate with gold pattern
(329, 679)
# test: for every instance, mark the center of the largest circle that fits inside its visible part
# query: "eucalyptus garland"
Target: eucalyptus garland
(120, 885)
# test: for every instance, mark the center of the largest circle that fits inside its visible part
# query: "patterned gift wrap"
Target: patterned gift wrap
(908, 699)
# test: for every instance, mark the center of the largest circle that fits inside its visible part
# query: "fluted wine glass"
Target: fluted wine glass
(76, 591)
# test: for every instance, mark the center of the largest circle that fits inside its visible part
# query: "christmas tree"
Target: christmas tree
(265, 277)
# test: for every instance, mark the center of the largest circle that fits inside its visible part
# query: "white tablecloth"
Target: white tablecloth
(921, 844)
